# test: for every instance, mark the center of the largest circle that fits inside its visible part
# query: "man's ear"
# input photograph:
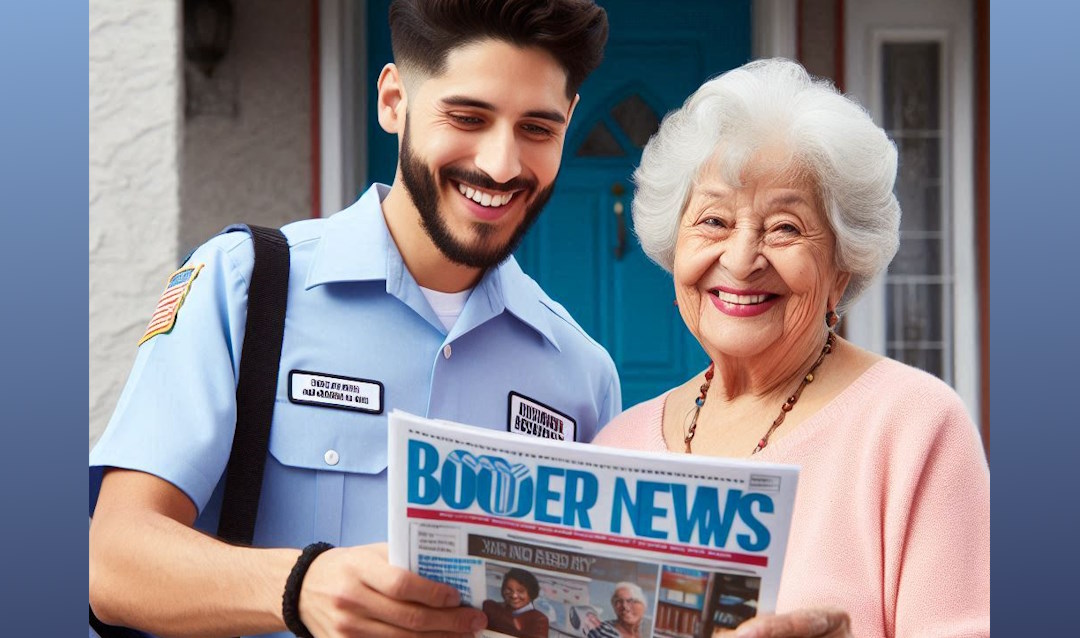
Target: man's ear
(392, 99)
(573, 105)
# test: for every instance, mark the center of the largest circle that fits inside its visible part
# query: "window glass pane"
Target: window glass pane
(918, 284)
(600, 143)
(637, 119)
(914, 310)
(920, 157)
(920, 204)
(910, 71)
(920, 254)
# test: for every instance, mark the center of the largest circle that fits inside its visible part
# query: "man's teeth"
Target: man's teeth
(485, 199)
(742, 300)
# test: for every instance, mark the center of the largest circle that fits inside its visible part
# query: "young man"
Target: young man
(408, 299)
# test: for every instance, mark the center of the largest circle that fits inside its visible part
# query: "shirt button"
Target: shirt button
(331, 457)
(446, 351)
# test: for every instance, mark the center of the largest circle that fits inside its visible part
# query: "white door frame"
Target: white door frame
(342, 103)
(776, 28)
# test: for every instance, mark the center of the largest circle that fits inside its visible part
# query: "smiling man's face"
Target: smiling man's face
(481, 148)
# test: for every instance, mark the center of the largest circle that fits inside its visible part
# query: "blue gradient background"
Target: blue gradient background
(1034, 289)
(1034, 306)
(43, 195)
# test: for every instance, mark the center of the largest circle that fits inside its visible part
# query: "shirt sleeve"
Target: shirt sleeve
(611, 404)
(176, 415)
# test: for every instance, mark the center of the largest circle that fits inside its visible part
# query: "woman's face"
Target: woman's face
(514, 594)
(754, 266)
(628, 609)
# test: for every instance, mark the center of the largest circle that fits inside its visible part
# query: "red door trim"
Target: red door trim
(316, 124)
(982, 205)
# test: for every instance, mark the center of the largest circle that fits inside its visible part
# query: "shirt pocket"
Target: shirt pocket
(328, 439)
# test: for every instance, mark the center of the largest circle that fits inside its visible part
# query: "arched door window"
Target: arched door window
(622, 130)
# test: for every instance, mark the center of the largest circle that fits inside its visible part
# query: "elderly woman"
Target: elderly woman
(516, 616)
(629, 604)
(768, 196)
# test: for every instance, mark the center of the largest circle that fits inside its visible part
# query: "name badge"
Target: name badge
(333, 391)
(530, 417)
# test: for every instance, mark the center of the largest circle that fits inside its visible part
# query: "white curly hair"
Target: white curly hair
(729, 118)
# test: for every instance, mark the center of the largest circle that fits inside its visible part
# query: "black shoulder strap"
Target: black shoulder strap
(268, 294)
(256, 388)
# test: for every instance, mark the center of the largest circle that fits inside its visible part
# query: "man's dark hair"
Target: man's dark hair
(423, 32)
(532, 586)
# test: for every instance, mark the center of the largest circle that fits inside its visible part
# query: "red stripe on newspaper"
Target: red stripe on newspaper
(592, 537)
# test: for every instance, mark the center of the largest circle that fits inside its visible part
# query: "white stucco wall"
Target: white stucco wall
(134, 184)
(254, 167)
(161, 183)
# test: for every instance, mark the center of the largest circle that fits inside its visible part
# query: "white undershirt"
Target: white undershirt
(447, 305)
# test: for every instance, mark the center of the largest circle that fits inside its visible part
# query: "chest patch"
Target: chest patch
(530, 417)
(333, 391)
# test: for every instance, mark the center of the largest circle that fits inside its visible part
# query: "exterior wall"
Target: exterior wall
(134, 184)
(254, 166)
(162, 182)
(818, 39)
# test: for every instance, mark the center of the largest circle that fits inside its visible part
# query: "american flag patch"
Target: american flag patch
(169, 304)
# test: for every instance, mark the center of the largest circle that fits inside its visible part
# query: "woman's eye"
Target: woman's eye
(787, 229)
(713, 222)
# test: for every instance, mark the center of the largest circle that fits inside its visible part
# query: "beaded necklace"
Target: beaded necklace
(784, 409)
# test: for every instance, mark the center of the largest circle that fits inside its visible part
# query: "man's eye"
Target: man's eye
(537, 130)
(466, 120)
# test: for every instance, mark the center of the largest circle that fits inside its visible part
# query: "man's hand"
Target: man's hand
(823, 622)
(354, 591)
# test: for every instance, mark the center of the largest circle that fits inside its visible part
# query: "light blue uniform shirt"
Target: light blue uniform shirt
(354, 311)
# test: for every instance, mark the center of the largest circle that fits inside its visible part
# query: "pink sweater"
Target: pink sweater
(892, 513)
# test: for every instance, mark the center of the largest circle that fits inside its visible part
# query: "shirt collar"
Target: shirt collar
(356, 246)
(521, 610)
(521, 296)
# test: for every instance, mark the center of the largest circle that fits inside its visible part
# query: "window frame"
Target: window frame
(867, 320)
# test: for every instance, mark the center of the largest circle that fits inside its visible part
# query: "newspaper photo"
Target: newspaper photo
(568, 539)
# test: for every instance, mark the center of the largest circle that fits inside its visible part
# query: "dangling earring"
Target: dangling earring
(831, 319)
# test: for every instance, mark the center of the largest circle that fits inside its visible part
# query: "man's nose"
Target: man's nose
(499, 155)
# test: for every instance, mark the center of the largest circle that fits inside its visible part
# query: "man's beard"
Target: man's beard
(482, 252)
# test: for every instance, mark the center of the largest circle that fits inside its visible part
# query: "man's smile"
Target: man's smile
(486, 198)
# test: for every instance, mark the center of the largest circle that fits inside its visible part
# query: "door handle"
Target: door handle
(620, 222)
(620, 231)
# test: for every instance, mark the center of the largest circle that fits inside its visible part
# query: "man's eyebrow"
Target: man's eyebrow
(461, 100)
(551, 116)
(542, 114)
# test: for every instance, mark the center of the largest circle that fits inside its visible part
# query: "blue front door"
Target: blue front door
(583, 251)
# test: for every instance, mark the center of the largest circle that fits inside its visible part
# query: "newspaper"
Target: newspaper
(701, 539)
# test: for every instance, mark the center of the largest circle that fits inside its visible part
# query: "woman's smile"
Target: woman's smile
(742, 303)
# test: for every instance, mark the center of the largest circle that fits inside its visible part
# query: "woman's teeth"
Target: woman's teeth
(742, 300)
(485, 199)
